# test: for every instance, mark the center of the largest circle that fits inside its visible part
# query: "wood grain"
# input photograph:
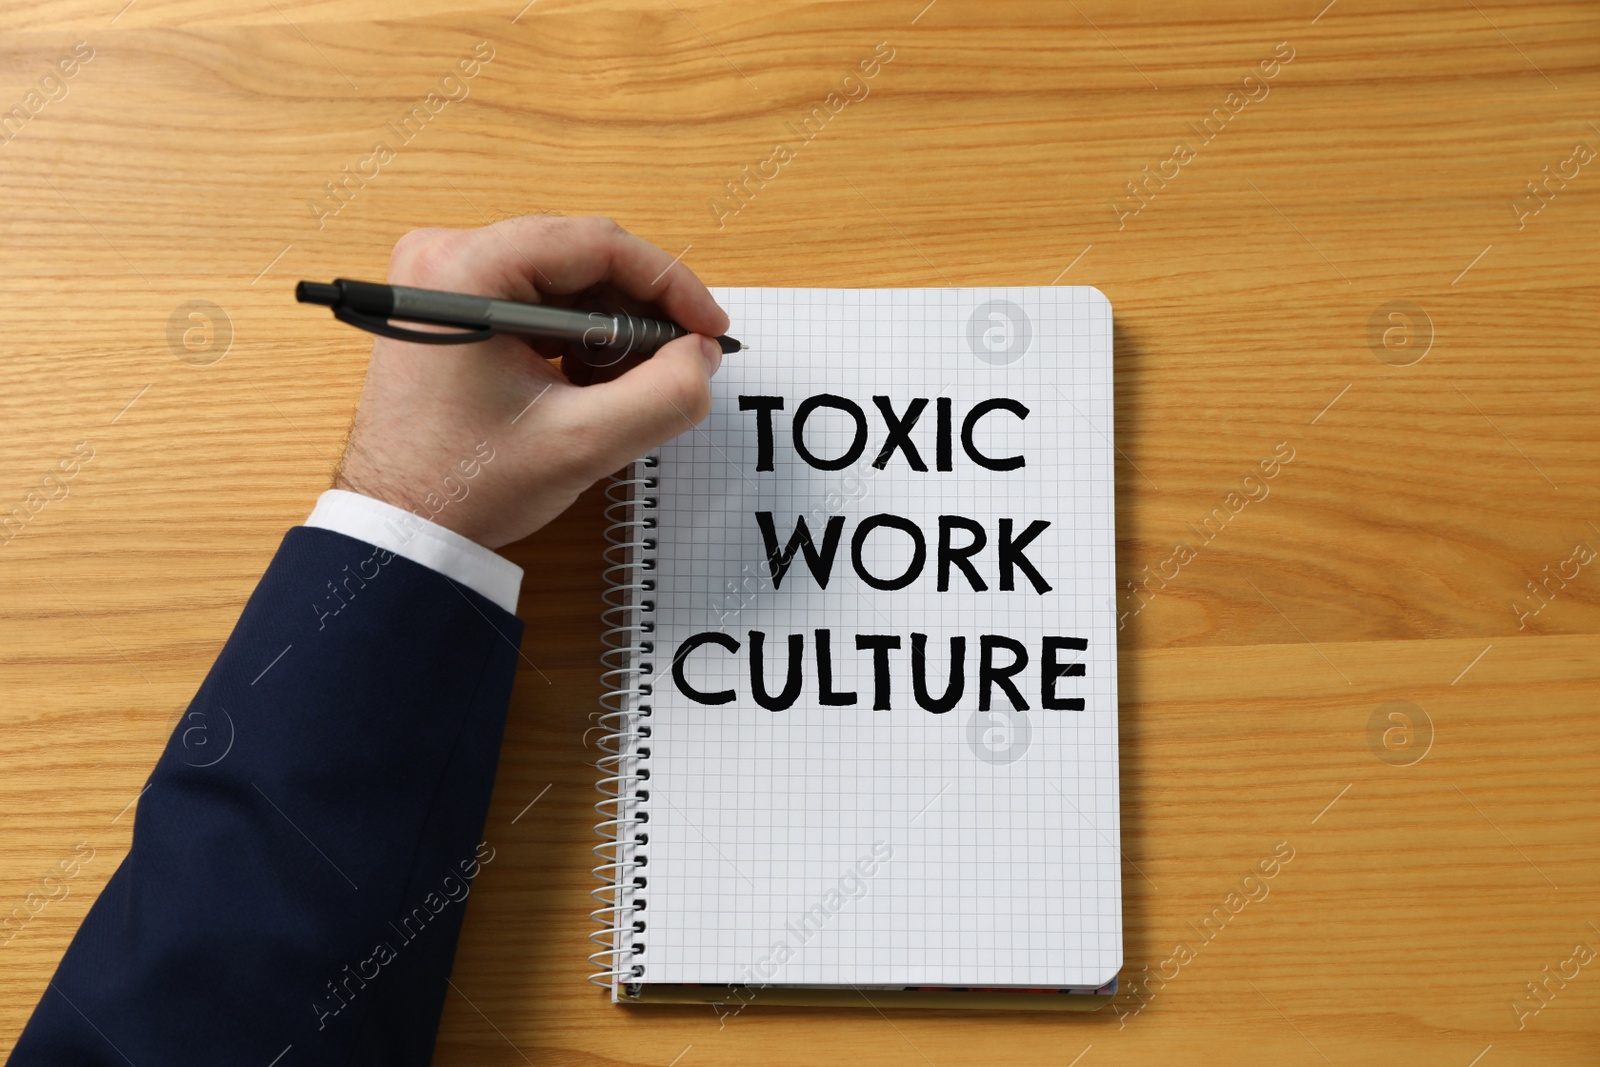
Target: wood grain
(1382, 565)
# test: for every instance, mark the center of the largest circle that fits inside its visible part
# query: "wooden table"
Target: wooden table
(1329, 249)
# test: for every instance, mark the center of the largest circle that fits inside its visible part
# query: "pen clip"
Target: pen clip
(382, 327)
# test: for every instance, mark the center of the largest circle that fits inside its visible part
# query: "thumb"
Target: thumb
(655, 401)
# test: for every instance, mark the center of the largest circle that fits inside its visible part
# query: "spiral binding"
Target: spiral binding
(624, 769)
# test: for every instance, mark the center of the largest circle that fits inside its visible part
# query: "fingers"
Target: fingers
(662, 397)
(565, 256)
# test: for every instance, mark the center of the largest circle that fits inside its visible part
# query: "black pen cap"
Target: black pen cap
(366, 297)
(317, 293)
(369, 298)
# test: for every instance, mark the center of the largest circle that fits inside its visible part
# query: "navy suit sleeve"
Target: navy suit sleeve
(304, 850)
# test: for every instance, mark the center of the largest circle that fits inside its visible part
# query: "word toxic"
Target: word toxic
(897, 427)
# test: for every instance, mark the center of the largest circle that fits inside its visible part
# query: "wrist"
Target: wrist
(439, 499)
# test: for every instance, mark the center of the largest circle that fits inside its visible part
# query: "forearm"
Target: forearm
(299, 879)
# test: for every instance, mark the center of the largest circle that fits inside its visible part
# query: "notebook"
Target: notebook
(861, 668)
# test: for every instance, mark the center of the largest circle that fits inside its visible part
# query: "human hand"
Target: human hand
(490, 439)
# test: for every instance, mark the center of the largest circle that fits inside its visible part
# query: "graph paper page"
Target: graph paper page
(842, 844)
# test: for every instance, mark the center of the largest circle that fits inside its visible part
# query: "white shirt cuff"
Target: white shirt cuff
(421, 541)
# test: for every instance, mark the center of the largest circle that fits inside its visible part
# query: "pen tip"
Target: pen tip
(729, 345)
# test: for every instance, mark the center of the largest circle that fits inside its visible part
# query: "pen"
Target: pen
(370, 306)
